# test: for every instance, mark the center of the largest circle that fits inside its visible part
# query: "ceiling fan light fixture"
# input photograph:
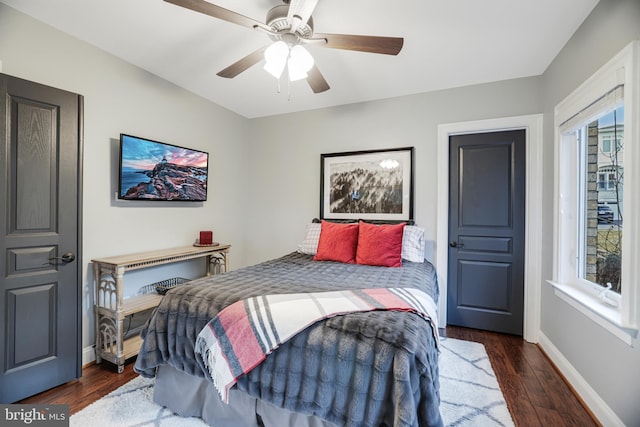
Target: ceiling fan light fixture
(300, 62)
(291, 23)
(276, 58)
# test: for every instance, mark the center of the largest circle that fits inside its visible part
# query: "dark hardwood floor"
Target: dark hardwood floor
(535, 392)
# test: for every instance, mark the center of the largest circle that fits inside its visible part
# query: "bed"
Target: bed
(368, 368)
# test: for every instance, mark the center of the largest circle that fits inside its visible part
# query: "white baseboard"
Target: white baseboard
(88, 355)
(598, 407)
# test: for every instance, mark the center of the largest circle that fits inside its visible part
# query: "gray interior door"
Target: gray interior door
(40, 269)
(486, 231)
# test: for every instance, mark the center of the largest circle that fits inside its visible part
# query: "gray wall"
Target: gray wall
(286, 187)
(122, 98)
(610, 367)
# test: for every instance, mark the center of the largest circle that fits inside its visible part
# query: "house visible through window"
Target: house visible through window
(602, 202)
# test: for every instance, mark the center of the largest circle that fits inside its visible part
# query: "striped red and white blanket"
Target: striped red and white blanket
(244, 333)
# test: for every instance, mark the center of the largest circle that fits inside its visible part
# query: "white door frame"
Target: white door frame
(533, 211)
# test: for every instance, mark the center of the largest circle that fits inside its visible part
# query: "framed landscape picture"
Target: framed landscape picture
(372, 185)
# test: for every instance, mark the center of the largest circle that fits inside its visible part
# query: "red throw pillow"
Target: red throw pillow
(338, 242)
(380, 244)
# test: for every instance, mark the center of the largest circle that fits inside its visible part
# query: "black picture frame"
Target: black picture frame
(373, 185)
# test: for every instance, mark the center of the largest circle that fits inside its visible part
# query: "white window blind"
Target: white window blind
(607, 102)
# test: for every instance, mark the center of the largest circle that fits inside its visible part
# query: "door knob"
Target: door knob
(65, 258)
(453, 243)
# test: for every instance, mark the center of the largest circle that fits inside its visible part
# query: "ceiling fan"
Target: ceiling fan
(292, 24)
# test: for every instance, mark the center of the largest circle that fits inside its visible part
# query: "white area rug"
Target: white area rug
(469, 393)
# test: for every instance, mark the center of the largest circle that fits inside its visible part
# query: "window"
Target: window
(601, 202)
(595, 269)
(609, 178)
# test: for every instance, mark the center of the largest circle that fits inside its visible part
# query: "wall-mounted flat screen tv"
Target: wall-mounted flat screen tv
(153, 170)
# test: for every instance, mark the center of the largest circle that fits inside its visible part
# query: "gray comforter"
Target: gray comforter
(376, 368)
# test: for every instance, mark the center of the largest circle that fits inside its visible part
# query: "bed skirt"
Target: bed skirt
(190, 396)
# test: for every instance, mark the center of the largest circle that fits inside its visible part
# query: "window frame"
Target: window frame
(587, 297)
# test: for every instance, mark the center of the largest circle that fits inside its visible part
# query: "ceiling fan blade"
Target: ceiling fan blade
(316, 80)
(371, 44)
(299, 12)
(243, 64)
(217, 12)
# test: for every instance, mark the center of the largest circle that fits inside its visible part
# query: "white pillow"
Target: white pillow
(413, 244)
(309, 245)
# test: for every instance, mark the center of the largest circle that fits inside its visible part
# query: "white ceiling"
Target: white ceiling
(447, 43)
